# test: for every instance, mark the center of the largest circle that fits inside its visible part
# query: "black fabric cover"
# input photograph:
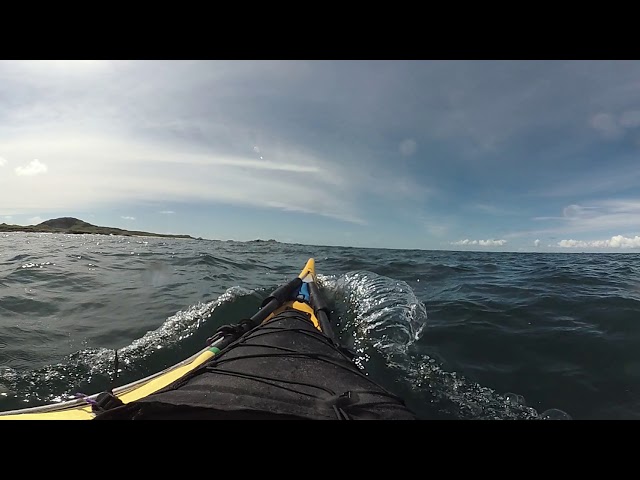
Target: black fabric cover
(284, 369)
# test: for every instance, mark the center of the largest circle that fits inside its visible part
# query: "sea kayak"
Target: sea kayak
(284, 362)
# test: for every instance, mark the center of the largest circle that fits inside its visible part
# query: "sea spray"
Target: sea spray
(384, 315)
(90, 370)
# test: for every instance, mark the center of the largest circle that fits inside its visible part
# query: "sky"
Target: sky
(447, 155)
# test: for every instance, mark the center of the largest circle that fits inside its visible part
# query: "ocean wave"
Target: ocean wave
(380, 313)
(379, 307)
(91, 370)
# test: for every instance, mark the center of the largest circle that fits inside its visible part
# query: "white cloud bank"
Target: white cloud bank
(617, 241)
(128, 218)
(3, 162)
(482, 243)
(34, 167)
(167, 212)
(536, 242)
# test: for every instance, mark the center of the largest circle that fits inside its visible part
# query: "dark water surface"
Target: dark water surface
(468, 335)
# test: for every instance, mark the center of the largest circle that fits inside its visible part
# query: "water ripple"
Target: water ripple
(552, 332)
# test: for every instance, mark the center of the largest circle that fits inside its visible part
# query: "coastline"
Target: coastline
(75, 226)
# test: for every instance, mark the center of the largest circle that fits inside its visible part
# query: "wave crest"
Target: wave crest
(380, 308)
(384, 313)
(89, 370)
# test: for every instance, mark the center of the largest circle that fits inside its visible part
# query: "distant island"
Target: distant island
(73, 225)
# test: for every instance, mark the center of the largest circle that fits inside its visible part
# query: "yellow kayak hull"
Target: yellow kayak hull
(81, 410)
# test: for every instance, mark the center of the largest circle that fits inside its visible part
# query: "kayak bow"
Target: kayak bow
(301, 294)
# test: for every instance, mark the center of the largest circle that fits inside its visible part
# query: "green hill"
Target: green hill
(74, 225)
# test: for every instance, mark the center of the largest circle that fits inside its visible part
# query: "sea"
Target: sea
(457, 335)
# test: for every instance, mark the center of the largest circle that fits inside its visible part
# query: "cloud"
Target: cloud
(123, 171)
(437, 230)
(34, 220)
(408, 147)
(536, 243)
(492, 209)
(601, 216)
(64, 68)
(238, 162)
(204, 132)
(617, 241)
(594, 180)
(491, 243)
(630, 119)
(3, 162)
(612, 126)
(128, 218)
(167, 212)
(482, 243)
(8, 217)
(34, 167)
(606, 125)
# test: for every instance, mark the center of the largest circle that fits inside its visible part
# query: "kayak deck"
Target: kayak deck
(80, 409)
